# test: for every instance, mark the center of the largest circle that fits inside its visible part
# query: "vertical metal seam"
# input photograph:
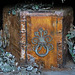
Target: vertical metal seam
(26, 40)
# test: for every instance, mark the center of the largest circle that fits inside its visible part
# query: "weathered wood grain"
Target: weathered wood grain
(14, 30)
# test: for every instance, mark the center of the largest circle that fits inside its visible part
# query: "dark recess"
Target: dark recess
(57, 3)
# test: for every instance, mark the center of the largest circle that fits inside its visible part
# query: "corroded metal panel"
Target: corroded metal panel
(53, 25)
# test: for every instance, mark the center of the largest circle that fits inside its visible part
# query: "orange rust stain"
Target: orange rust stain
(47, 23)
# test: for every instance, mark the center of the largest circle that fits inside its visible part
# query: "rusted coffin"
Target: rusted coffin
(41, 33)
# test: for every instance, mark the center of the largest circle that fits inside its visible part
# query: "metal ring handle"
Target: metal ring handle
(41, 55)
